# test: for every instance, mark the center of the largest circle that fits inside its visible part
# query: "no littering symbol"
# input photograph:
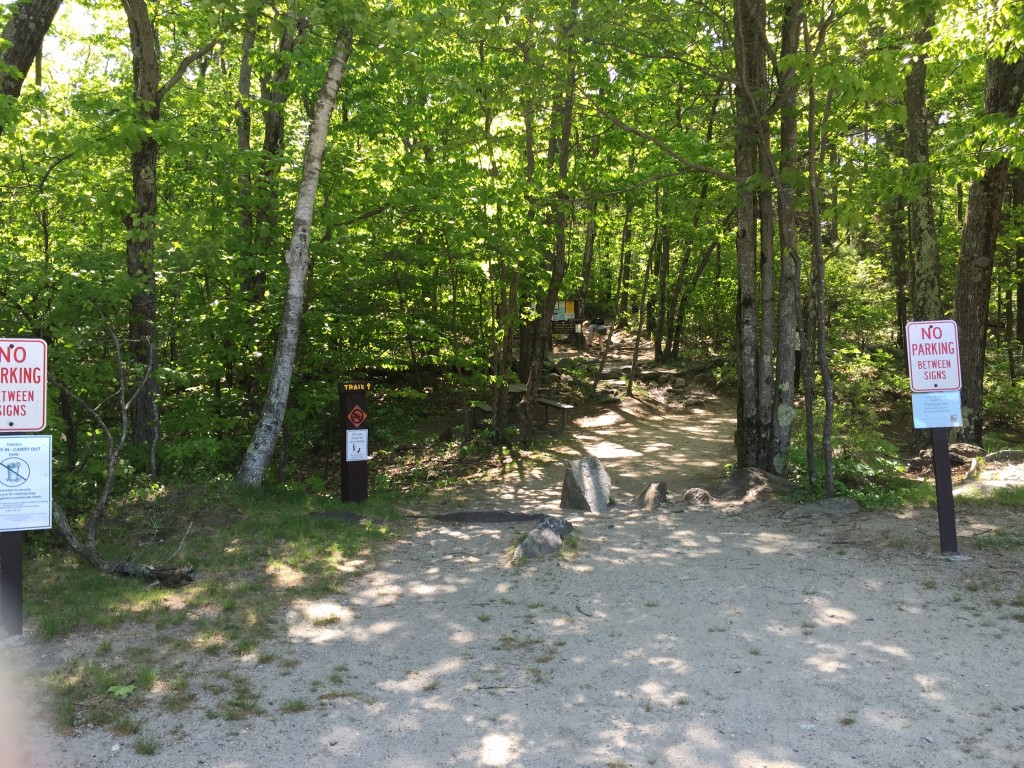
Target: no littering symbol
(14, 472)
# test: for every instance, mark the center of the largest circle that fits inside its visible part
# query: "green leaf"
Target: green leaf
(121, 691)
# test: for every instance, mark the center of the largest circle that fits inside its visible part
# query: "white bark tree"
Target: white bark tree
(264, 438)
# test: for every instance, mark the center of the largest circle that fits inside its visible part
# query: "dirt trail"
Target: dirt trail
(709, 639)
(638, 445)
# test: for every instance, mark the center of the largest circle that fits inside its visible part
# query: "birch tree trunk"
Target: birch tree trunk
(264, 438)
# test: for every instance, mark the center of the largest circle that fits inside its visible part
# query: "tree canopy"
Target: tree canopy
(791, 182)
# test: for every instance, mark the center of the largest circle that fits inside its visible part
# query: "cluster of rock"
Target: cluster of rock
(586, 489)
(959, 454)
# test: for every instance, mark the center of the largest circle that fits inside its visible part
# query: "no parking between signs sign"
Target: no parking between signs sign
(933, 357)
(22, 385)
(933, 352)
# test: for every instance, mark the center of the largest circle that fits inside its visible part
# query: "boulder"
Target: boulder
(586, 486)
(655, 496)
(546, 539)
(540, 542)
(967, 450)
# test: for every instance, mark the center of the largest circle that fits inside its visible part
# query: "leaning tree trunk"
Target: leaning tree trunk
(261, 447)
(21, 41)
(1004, 83)
(23, 36)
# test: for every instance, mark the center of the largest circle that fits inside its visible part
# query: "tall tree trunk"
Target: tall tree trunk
(141, 222)
(587, 268)
(664, 250)
(924, 243)
(818, 287)
(685, 291)
(564, 116)
(749, 27)
(22, 42)
(1004, 83)
(783, 412)
(639, 328)
(897, 215)
(625, 261)
(1017, 185)
(261, 446)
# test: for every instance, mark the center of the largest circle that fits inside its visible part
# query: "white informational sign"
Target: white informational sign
(25, 483)
(933, 356)
(936, 410)
(357, 445)
(22, 385)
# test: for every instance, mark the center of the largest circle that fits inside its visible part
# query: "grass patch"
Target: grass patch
(145, 745)
(514, 643)
(294, 706)
(1009, 496)
(244, 702)
(998, 540)
(256, 552)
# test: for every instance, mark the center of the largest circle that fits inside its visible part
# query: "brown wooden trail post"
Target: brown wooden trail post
(933, 360)
(355, 447)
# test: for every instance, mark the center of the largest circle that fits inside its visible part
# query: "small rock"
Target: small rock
(540, 542)
(654, 496)
(697, 497)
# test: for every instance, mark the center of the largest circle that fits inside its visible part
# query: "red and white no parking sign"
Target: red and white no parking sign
(933, 355)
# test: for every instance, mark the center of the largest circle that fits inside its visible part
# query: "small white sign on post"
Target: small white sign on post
(933, 356)
(357, 445)
(22, 385)
(25, 483)
(936, 410)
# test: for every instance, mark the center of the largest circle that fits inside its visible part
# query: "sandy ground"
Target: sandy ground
(723, 638)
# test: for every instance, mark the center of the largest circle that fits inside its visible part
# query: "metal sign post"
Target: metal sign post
(11, 574)
(933, 358)
(24, 466)
(354, 474)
